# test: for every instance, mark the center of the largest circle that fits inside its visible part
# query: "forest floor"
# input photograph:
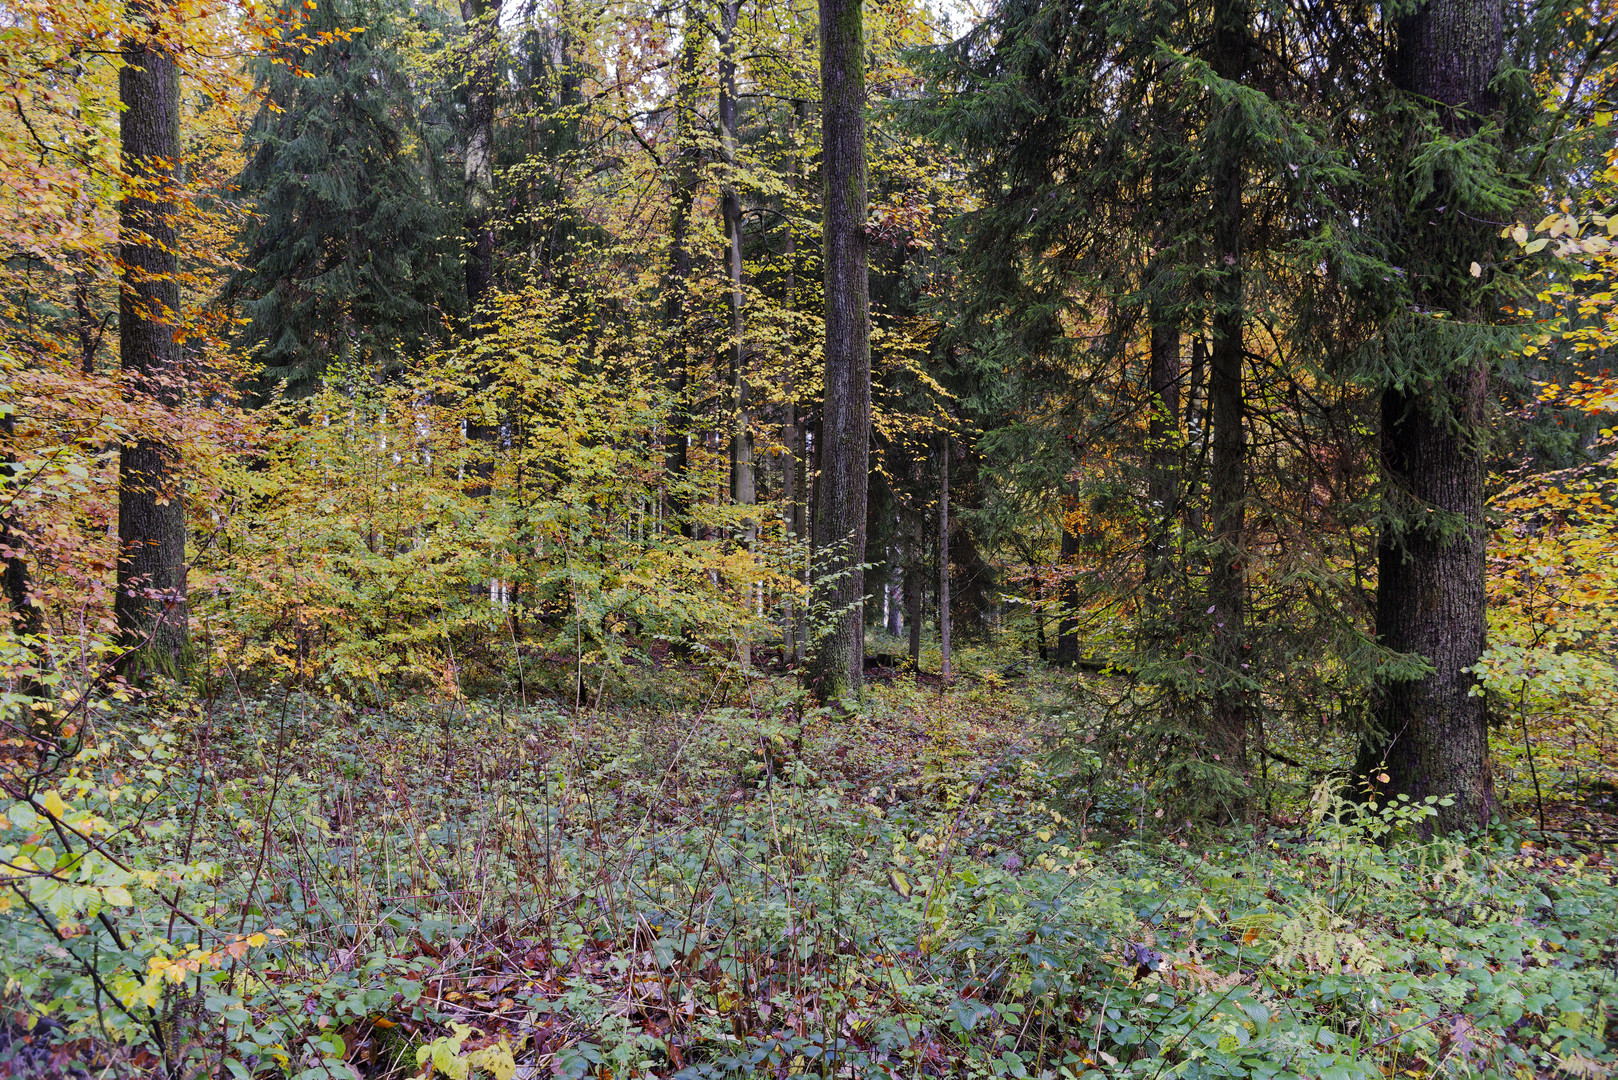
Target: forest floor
(683, 878)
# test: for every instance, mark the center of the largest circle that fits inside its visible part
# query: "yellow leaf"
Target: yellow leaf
(1477, 271)
(1520, 234)
(53, 804)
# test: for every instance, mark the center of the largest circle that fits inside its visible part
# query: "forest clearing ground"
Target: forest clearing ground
(681, 881)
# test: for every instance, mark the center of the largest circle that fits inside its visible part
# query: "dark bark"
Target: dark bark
(88, 328)
(743, 482)
(1227, 579)
(150, 604)
(676, 313)
(1431, 733)
(1067, 593)
(1163, 455)
(837, 658)
(27, 620)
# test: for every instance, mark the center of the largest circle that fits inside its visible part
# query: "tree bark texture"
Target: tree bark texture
(743, 481)
(150, 604)
(836, 662)
(676, 288)
(1432, 735)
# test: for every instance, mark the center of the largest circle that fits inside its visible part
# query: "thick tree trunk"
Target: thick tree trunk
(943, 565)
(837, 659)
(150, 605)
(1432, 735)
(1227, 579)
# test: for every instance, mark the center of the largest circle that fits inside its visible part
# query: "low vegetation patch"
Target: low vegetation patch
(292, 886)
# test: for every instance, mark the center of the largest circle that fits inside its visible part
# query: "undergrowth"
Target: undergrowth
(719, 887)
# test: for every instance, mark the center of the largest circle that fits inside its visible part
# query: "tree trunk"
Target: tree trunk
(150, 605)
(913, 586)
(943, 565)
(482, 32)
(26, 616)
(1067, 594)
(1163, 457)
(1227, 579)
(791, 428)
(743, 480)
(87, 326)
(1432, 735)
(837, 659)
(1197, 422)
(677, 285)
(893, 587)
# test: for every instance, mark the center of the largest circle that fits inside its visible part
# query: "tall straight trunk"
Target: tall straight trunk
(893, 605)
(843, 448)
(677, 284)
(1196, 432)
(791, 429)
(743, 483)
(913, 588)
(1432, 735)
(478, 178)
(1067, 593)
(743, 480)
(482, 32)
(150, 605)
(1227, 579)
(943, 564)
(1163, 455)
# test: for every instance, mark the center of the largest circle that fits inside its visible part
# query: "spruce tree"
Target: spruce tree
(1431, 732)
(352, 254)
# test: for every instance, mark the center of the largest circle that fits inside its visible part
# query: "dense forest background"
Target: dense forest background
(711, 538)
